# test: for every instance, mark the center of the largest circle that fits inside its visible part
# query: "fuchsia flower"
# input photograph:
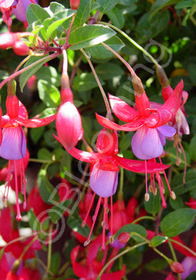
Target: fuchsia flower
(104, 171)
(150, 125)
(68, 121)
(17, 7)
(89, 267)
(13, 146)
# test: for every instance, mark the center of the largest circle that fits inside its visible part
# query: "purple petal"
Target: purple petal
(103, 182)
(21, 8)
(116, 244)
(146, 143)
(189, 264)
(13, 144)
(166, 130)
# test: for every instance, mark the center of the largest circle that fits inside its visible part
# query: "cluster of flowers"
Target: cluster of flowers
(152, 122)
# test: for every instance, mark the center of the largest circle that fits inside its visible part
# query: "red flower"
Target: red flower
(104, 170)
(13, 145)
(149, 124)
(89, 267)
(68, 121)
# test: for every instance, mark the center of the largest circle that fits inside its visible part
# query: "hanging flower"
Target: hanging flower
(149, 124)
(88, 268)
(104, 172)
(13, 145)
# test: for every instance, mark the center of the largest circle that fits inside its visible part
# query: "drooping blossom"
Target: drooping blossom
(179, 120)
(150, 126)
(17, 7)
(104, 171)
(68, 120)
(74, 4)
(10, 232)
(13, 146)
(89, 267)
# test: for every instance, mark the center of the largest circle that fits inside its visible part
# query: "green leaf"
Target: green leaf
(56, 7)
(156, 265)
(184, 4)
(192, 72)
(117, 17)
(28, 73)
(36, 13)
(148, 27)
(44, 154)
(85, 82)
(109, 70)
(177, 221)
(178, 185)
(161, 4)
(49, 94)
(100, 52)
(107, 5)
(56, 21)
(50, 75)
(153, 205)
(55, 262)
(37, 133)
(76, 225)
(83, 13)
(158, 240)
(46, 189)
(57, 211)
(133, 228)
(33, 221)
(89, 35)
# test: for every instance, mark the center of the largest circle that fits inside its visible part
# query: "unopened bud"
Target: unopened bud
(15, 266)
(173, 195)
(147, 197)
(162, 77)
(137, 85)
(69, 125)
(20, 48)
(177, 267)
(124, 237)
(74, 4)
(7, 40)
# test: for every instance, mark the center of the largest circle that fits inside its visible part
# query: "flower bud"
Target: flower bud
(124, 237)
(177, 267)
(69, 125)
(20, 48)
(7, 40)
(74, 4)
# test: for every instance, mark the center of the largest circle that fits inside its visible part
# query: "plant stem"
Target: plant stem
(132, 42)
(109, 113)
(174, 256)
(120, 192)
(121, 59)
(15, 74)
(143, 218)
(27, 248)
(183, 246)
(118, 256)
(49, 249)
